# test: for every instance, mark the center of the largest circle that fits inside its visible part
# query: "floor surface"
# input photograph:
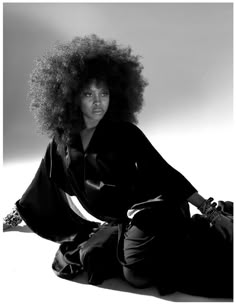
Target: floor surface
(27, 276)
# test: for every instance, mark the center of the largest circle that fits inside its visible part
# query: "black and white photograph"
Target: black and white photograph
(118, 163)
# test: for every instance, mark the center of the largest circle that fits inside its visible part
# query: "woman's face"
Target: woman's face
(94, 101)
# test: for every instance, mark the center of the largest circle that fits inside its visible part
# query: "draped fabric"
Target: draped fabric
(120, 171)
(44, 208)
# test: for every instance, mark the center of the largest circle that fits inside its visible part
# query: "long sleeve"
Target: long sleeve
(44, 206)
(156, 174)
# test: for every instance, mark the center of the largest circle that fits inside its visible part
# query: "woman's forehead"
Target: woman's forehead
(96, 83)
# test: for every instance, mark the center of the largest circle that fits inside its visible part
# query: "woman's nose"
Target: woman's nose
(96, 99)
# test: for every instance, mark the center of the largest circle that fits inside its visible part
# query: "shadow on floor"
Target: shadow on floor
(118, 284)
(23, 229)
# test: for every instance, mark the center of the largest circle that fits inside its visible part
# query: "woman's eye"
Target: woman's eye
(105, 93)
(87, 94)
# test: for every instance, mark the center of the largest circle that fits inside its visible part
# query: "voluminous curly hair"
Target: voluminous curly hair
(62, 72)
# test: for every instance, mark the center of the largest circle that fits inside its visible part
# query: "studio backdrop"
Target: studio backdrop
(187, 53)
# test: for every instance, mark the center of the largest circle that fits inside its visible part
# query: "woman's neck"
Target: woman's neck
(91, 124)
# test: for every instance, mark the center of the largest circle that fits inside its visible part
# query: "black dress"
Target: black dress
(119, 170)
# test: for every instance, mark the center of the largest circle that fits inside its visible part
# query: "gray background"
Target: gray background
(186, 49)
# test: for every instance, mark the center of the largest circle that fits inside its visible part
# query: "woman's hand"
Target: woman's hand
(224, 225)
(220, 215)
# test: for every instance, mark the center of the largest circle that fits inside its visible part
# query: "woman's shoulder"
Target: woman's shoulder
(122, 126)
(132, 131)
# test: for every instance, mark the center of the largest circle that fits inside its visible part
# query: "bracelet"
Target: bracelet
(12, 219)
(207, 208)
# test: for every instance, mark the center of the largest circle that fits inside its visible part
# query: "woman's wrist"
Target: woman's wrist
(209, 210)
(206, 206)
(196, 199)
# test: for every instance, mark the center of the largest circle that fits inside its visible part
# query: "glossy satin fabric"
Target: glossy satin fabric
(44, 208)
(119, 169)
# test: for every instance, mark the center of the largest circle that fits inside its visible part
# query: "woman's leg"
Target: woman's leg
(138, 252)
(136, 277)
(152, 245)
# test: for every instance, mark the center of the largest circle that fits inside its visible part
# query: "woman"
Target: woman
(85, 95)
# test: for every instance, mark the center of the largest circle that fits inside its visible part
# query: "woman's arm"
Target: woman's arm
(168, 182)
(196, 199)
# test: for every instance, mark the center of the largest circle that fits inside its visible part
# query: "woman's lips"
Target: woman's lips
(98, 110)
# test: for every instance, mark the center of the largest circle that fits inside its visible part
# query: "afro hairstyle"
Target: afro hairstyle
(61, 73)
